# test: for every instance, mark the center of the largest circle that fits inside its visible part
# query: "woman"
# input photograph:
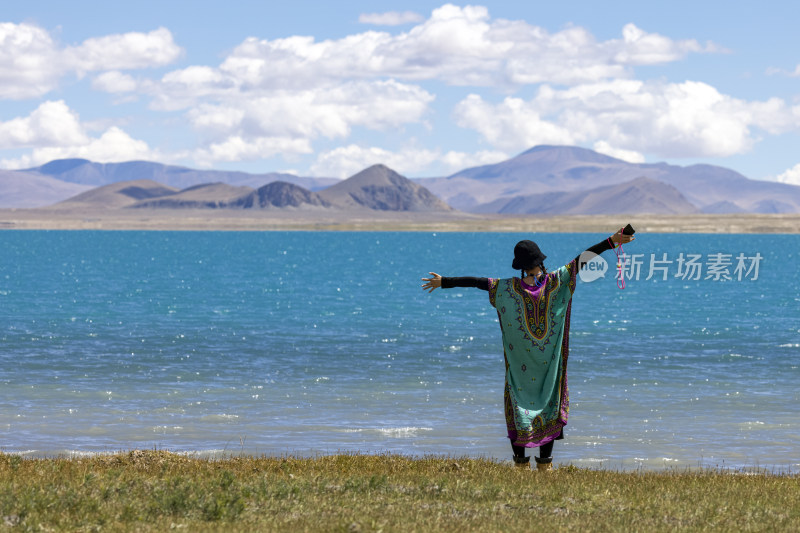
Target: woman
(534, 311)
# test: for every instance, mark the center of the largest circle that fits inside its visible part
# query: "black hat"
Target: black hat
(527, 255)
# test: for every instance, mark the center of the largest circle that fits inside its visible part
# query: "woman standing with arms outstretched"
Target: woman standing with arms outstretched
(534, 312)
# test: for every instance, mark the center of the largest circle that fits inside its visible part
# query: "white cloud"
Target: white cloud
(32, 63)
(791, 176)
(217, 119)
(269, 92)
(771, 71)
(238, 149)
(277, 96)
(132, 50)
(50, 124)
(181, 89)
(114, 82)
(602, 147)
(346, 161)
(29, 65)
(329, 112)
(690, 119)
(512, 124)
(391, 18)
(641, 48)
(54, 131)
(455, 161)
(457, 45)
(114, 145)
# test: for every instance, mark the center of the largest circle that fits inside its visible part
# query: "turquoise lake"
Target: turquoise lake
(311, 343)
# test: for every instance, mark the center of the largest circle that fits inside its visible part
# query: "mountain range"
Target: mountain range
(377, 188)
(542, 180)
(544, 175)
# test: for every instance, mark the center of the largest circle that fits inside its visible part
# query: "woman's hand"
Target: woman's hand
(433, 282)
(620, 238)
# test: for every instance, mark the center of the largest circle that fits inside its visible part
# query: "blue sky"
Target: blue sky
(428, 88)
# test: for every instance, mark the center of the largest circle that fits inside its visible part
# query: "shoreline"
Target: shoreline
(228, 456)
(222, 456)
(288, 220)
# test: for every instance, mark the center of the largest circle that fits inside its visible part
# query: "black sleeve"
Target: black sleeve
(478, 283)
(598, 249)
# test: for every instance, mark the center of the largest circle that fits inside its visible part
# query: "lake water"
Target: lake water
(315, 343)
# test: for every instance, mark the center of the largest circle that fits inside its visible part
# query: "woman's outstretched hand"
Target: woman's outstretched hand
(620, 238)
(433, 282)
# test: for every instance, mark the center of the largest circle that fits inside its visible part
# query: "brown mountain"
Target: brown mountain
(280, 194)
(117, 195)
(380, 188)
(641, 195)
(209, 195)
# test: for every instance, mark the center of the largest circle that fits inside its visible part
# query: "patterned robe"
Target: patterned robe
(535, 326)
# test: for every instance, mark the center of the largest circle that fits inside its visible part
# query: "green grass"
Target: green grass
(160, 491)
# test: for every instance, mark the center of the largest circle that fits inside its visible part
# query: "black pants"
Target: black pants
(545, 450)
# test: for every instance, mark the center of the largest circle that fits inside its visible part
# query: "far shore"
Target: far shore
(323, 220)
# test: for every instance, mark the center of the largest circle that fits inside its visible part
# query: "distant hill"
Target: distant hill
(642, 195)
(208, 195)
(85, 172)
(376, 188)
(280, 194)
(117, 195)
(571, 169)
(26, 190)
(382, 189)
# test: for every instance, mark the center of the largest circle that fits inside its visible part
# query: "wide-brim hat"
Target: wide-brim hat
(527, 255)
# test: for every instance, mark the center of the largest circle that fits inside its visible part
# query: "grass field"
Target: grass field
(161, 491)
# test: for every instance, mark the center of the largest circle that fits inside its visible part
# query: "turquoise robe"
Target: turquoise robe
(535, 326)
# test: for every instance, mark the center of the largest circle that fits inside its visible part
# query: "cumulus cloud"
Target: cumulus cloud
(29, 63)
(457, 45)
(53, 123)
(271, 91)
(791, 176)
(690, 119)
(239, 149)
(114, 82)
(113, 146)
(181, 89)
(641, 48)
(32, 63)
(277, 96)
(54, 131)
(346, 161)
(512, 124)
(329, 112)
(126, 51)
(391, 18)
(602, 147)
(454, 161)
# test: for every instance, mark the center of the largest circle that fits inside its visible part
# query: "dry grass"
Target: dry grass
(159, 491)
